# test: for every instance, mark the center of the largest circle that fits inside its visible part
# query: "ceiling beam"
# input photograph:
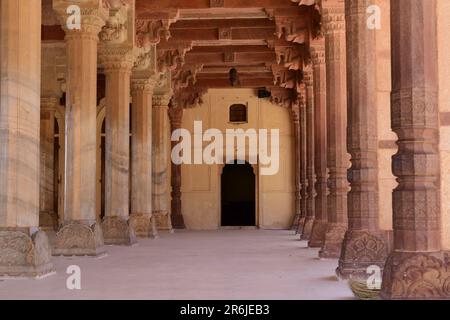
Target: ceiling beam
(158, 5)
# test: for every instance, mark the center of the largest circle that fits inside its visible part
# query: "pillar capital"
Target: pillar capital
(49, 103)
(119, 59)
(317, 48)
(333, 16)
(308, 77)
(142, 84)
(93, 17)
(161, 100)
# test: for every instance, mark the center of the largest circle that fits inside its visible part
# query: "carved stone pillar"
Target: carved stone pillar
(48, 216)
(117, 65)
(303, 161)
(363, 245)
(80, 234)
(176, 117)
(320, 140)
(337, 159)
(161, 212)
(141, 158)
(24, 249)
(310, 173)
(295, 112)
(417, 268)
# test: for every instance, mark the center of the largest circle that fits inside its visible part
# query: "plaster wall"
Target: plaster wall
(201, 203)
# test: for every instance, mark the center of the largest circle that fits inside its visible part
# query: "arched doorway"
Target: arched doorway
(238, 196)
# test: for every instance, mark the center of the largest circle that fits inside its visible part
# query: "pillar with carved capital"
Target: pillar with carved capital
(80, 233)
(302, 100)
(141, 157)
(117, 63)
(176, 117)
(320, 141)
(48, 217)
(417, 268)
(337, 158)
(364, 244)
(160, 171)
(24, 249)
(295, 112)
(310, 174)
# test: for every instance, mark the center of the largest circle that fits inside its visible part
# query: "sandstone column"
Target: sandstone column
(176, 117)
(417, 268)
(80, 234)
(363, 245)
(303, 161)
(48, 216)
(337, 159)
(295, 112)
(161, 162)
(310, 174)
(24, 249)
(320, 140)
(117, 65)
(141, 157)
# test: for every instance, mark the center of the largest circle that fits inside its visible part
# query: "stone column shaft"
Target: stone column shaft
(320, 140)
(415, 119)
(337, 158)
(80, 234)
(310, 173)
(362, 144)
(115, 225)
(303, 157)
(176, 117)
(141, 158)
(48, 217)
(295, 113)
(24, 249)
(161, 162)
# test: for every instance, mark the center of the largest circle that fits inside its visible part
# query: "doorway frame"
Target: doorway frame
(258, 217)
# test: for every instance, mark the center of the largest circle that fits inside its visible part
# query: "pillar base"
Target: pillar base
(24, 254)
(163, 221)
(301, 223)
(360, 250)
(333, 241)
(48, 220)
(417, 275)
(178, 221)
(307, 229)
(78, 238)
(118, 231)
(144, 226)
(295, 222)
(317, 238)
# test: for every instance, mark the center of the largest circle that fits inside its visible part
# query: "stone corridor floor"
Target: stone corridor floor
(224, 264)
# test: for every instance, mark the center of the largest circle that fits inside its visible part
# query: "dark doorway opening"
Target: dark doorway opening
(238, 195)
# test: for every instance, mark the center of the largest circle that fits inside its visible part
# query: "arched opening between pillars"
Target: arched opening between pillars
(238, 195)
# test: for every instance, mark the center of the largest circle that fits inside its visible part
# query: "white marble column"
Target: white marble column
(80, 234)
(141, 157)
(24, 249)
(117, 65)
(161, 162)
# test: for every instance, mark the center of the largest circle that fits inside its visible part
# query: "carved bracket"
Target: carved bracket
(285, 78)
(172, 59)
(186, 76)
